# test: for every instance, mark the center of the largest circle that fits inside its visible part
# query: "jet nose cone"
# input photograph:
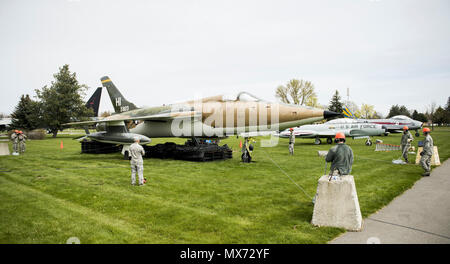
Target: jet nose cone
(329, 114)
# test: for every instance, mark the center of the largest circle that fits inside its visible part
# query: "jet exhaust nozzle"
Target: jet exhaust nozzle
(330, 114)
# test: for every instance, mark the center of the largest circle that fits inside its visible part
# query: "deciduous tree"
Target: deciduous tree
(298, 92)
(367, 111)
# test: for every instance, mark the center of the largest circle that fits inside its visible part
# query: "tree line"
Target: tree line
(58, 103)
(61, 102)
(302, 92)
(434, 114)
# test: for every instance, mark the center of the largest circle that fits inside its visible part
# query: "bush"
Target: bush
(36, 134)
(33, 134)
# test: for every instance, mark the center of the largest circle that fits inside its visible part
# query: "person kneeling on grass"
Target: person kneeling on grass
(137, 163)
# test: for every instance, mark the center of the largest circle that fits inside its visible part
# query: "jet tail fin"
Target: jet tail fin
(347, 113)
(94, 101)
(119, 102)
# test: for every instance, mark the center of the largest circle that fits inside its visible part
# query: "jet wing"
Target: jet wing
(305, 133)
(157, 117)
(256, 133)
(326, 133)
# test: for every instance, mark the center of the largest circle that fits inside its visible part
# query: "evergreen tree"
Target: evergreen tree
(441, 116)
(62, 102)
(447, 106)
(398, 110)
(419, 116)
(26, 115)
(335, 104)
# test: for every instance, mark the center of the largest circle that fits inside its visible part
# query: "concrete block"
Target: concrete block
(336, 204)
(434, 159)
(4, 149)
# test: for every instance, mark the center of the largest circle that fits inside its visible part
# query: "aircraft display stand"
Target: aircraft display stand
(189, 151)
(336, 203)
(94, 147)
(4, 149)
(435, 160)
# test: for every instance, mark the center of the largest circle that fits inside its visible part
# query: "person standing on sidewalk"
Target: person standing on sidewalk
(427, 152)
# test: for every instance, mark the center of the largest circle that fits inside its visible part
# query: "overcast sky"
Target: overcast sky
(156, 52)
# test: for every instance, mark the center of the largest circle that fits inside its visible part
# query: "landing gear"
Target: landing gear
(368, 142)
(247, 149)
(329, 140)
(417, 134)
(317, 141)
(245, 157)
(126, 152)
(386, 134)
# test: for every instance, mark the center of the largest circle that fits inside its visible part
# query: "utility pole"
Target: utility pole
(348, 95)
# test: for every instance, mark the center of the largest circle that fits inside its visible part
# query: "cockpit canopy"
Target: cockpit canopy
(241, 97)
(342, 121)
(401, 117)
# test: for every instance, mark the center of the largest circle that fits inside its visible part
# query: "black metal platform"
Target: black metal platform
(192, 151)
(94, 147)
(189, 151)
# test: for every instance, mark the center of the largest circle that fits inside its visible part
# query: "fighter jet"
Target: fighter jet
(218, 116)
(394, 124)
(350, 127)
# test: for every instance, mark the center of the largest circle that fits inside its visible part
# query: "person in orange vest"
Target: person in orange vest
(340, 156)
(406, 142)
(427, 152)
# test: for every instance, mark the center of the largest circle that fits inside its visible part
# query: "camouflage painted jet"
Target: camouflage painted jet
(350, 127)
(218, 116)
(394, 124)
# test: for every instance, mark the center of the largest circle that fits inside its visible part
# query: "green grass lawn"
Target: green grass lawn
(48, 195)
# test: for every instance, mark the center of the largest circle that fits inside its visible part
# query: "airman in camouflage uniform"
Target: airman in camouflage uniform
(291, 141)
(15, 140)
(406, 142)
(340, 156)
(22, 137)
(427, 152)
(137, 163)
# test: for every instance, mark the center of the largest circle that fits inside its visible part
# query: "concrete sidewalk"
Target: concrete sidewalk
(421, 215)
